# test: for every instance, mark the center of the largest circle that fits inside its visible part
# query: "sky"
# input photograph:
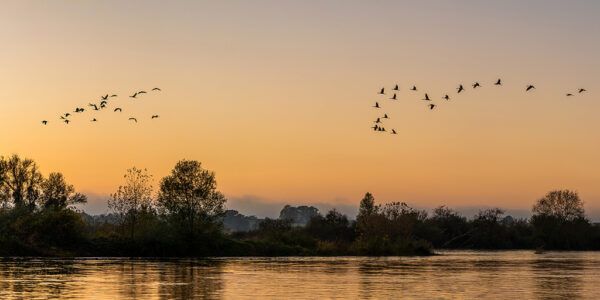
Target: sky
(276, 97)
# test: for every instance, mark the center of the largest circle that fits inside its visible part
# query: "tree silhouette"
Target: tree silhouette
(133, 197)
(57, 194)
(367, 206)
(562, 204)
(189, 196)
(20, 182)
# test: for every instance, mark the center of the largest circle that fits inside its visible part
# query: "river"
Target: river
(450, 275)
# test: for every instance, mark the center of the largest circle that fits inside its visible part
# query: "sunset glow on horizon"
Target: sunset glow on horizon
(276, 97)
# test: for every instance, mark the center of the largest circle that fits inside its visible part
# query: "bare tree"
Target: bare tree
(563, 204)
(20, 182)
(133, 197)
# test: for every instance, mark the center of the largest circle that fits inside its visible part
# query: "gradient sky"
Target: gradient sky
(276, 96)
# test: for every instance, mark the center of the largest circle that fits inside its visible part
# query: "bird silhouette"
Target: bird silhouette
(396, 88)
(133, 119)
(62, 117)
(414, 88)
(385, 116)
(581, 91)
(426, 97)
(154, 116)
(133, 96)
(105, 97)
(45, 122)
(376, 105)
(67, 121)
(394, 131)
(529, 87)
(446, 97)
(113, 95)
(460, 89)
(476, 85)
(375, 127)
(78, 110)
(156, 89)
(141, 92)
(499, 82)
(394, 97)
(377, 121)
(569, 95)
(67, 115)
(103, 103)
(118, 109)
(94, 120)
(431, 106)
(382, 91)
(94, 106)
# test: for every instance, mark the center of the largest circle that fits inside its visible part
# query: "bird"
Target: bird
(113, 95)
(394, 131)
(460, 89)
(103, 102)
(141, 92)
(154, 116)
(529, 87)
(427, 97)
(375, 127)
(62, 117)
(431, 106)
(67, 121)
(133, 96)
(476, 85)
(394, 97)
(133, 119)
(44, 122)
(382, 91)
(78, 110)
(414, 88)
(94, 120)
(385, 116)
(105, 97)
(569, 95)
(499, 82)
(376, 105)
(95, 106)
(67, 115)
(446, 97)
(118, 109)
(156, 89)
(377, 121)
(396, 88)
(581, 91)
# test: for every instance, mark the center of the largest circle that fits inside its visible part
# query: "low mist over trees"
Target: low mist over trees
(185, 216)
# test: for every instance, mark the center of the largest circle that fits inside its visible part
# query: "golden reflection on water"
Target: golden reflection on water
(454, 274)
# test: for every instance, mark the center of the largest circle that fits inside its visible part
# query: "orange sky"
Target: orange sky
(276, 97)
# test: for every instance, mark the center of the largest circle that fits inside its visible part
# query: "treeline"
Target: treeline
(184, 217)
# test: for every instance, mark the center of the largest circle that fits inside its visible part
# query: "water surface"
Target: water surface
(453, 274)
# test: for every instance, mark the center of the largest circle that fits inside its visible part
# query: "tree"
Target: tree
(189, 196)
(367, 206)
(562, 204)
(57, 194)
(19, 182)
(133, 197)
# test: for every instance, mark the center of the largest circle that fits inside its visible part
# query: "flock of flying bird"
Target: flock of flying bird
(102, 105)
(379, 128)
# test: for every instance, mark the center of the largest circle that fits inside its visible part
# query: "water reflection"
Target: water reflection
(454, 274)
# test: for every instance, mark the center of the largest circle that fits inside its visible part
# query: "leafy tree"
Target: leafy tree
(190, 198)
(20, 182)
(57, 194)
(133, 197)
(562, 204)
